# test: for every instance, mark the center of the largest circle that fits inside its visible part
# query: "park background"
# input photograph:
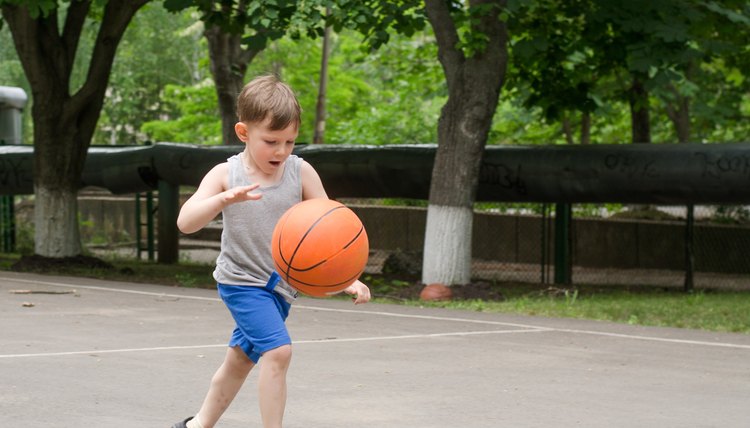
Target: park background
(558, 89)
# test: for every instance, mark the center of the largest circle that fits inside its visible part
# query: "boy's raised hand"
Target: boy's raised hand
(241, 194)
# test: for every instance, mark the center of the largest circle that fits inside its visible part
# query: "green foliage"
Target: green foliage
(721, 104)
(366, 95)
(144, 67)
(713, 310)
(376, 20)
(12, 74)
(732, 214)
(553, 68)
(582, 55)
(567, 58)
(25, 238)
(407, 91)
(472, 41)
(260, 22)
(11, 69)
(197, 119)
(186, 279)
(528, 208)
(725, 311)
(36, 8)
(524, 208)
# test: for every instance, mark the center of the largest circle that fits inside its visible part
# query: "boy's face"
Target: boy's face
(267, 149)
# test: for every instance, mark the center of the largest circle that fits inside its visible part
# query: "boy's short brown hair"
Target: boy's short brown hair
(267, 96)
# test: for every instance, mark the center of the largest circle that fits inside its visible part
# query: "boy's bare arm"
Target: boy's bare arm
(312, 186)
(210, 198)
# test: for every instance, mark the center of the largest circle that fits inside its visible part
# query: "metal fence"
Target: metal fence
(614, 244)
(604, 244)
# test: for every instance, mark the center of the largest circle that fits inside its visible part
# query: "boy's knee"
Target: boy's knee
(281, 355)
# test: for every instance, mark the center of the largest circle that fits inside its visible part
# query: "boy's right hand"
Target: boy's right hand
(241, 194)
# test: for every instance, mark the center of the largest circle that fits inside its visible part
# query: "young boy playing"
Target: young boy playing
(252, 190)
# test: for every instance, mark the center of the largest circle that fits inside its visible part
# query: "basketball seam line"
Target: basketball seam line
(348, 244)
(299, 244)
(307, 232)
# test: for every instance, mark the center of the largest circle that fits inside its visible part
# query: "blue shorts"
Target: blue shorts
(259, 314)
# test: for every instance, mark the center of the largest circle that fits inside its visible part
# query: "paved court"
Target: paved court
(122, 355)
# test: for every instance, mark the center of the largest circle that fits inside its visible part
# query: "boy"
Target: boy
(252, 190)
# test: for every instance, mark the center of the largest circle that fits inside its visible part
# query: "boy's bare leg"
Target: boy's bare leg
(225, 385)
(272, 385)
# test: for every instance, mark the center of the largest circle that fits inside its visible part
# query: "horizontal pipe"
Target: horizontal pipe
(670, 174)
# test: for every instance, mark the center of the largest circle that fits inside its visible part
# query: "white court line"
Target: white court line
(655, 339)
(114, 290)
(108, 351)
(296, 306)
(422, 317)
(531, 327)
(297, 342)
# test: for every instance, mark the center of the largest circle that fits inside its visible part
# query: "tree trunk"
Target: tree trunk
(585, 128)
(229, 63)
(59, 157)
(640, 122)
(56, 231)
(639, 112)
(320, 107)
(567, 129)
(679, 114)
(474, 84)
(63, 122)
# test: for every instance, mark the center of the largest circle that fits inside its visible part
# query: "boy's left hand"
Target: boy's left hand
(360, 292)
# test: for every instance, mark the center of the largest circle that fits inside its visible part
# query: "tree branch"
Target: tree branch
(117, 16)
(77, 12)
(450, 56)
(494, 56)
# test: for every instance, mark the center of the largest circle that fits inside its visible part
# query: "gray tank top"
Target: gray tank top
(245, 256)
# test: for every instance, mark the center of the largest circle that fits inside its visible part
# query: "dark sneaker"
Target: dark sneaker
(182, 424)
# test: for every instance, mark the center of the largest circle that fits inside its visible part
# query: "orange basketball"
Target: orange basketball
(319, 247)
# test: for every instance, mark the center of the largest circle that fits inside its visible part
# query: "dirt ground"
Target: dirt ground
(408, 285)
(36, 263)
(398, 277)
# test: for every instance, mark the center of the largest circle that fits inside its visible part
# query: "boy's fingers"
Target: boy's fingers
(361, 297)
(248, 189)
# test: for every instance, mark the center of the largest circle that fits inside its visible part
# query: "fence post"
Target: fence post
(562, 244)
(544, 244)
(689, 253)
(168, 240)
(8, 223)
(149, 223)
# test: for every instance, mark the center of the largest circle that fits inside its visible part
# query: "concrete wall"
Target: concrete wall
(598, 243)
(109, 219)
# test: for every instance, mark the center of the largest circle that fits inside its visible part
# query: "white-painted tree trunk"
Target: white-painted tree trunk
(447, 245)
(56, 223)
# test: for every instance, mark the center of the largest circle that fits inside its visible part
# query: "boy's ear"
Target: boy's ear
(241, 130)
